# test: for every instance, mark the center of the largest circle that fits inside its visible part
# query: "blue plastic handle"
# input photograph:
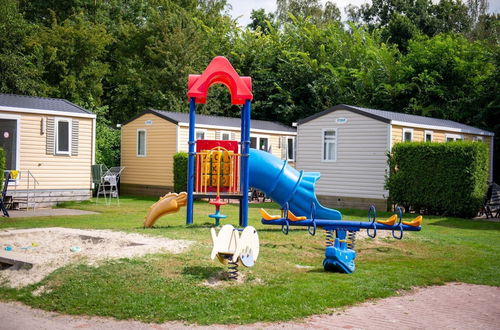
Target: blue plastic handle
(287, 226)
(372, 216)
(313, 219)
(399, 212)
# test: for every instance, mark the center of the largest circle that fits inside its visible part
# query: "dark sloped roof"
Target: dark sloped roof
(183, 117)
(40, 103)
(389, 117)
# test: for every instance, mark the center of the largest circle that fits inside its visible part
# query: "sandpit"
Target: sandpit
(35, 253)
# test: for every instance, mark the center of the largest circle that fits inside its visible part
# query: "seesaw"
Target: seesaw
(341, 234)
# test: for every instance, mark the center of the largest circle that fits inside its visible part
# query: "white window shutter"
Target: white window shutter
(233, 136)
(75, 133)
(50, 137)
(283, 147)
(217, 135)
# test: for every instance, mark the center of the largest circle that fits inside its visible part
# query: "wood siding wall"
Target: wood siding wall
(275, 140)
(153, 174)
(360, 168)
(53, 172)
(156, 168)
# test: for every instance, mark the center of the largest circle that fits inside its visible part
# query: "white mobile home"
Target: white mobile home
(349, 146)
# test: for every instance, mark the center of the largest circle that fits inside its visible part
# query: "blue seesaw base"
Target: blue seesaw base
(339, 260)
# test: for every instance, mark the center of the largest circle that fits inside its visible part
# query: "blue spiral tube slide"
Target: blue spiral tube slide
(284, 184)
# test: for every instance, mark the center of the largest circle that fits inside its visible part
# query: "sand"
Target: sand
(50, 248)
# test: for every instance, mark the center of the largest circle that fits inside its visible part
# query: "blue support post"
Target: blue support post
(192, 152)
(245, 171)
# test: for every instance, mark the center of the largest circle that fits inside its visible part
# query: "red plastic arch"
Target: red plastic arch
(220, 71)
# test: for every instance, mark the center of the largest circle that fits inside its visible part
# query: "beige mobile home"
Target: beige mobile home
(150, 140)
(348, 145)
(51, 143)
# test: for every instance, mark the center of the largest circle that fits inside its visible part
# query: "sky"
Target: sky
(243, 8)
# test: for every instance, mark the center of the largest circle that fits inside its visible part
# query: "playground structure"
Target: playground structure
(224, 171)
(219, 71)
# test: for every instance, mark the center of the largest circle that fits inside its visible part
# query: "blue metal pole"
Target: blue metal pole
(191, 154)
(242, 161)
(245, 171)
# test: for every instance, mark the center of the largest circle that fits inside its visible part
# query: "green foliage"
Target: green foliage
(180, 171)
(19, 72)
(107, 145)
(412, 56)
(449, 178)
(72, 55)
(2, 167)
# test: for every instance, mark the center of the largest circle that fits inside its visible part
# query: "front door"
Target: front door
(8, 142)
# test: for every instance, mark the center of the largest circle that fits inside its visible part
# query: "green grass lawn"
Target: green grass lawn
(164, 287)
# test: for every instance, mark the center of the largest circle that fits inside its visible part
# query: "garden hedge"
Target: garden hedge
(180, 171)
(439, 178)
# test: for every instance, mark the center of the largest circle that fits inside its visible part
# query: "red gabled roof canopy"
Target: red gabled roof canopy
(220, 71)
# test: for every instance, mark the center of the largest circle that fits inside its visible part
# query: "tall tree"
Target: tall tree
(318, 13)
(19, 72)
(72, 56)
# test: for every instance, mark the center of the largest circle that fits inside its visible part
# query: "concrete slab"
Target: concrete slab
(47, 213)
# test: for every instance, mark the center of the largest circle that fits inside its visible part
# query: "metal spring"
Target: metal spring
(330, 238)
(232, 271)
(351, 240)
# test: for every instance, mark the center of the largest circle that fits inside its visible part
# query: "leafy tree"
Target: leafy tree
(72, 55)
(318, 13)
(261, 20)
(19, 72)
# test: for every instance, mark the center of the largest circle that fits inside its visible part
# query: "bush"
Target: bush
(107, 145)
(2, 167)
(439, 178)
(180, 171)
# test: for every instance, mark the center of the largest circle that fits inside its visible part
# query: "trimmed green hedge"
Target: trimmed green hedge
(2, 167)
(439, 178)
(180, 171)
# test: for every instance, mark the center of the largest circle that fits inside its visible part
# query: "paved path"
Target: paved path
(46, 212)
(452, 306)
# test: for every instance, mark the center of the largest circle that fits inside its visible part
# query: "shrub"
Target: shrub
(180, 171)
(2, 167)
(439, 178)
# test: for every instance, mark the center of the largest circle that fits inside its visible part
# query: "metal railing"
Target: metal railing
(27, 179)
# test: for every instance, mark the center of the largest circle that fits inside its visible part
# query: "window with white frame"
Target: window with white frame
(263, 144)
(428, 136)
(453, 137)
(259, 142)
(290, 148)
(225, 136)
(407, 134)
(253, 142)
(63, 136)
(329, 144)
(200, 134)
(477, 139)
(141, 142)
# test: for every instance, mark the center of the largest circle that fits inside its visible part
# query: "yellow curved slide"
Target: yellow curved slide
(170, 203)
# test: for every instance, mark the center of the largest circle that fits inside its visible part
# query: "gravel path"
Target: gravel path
(451, 306)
